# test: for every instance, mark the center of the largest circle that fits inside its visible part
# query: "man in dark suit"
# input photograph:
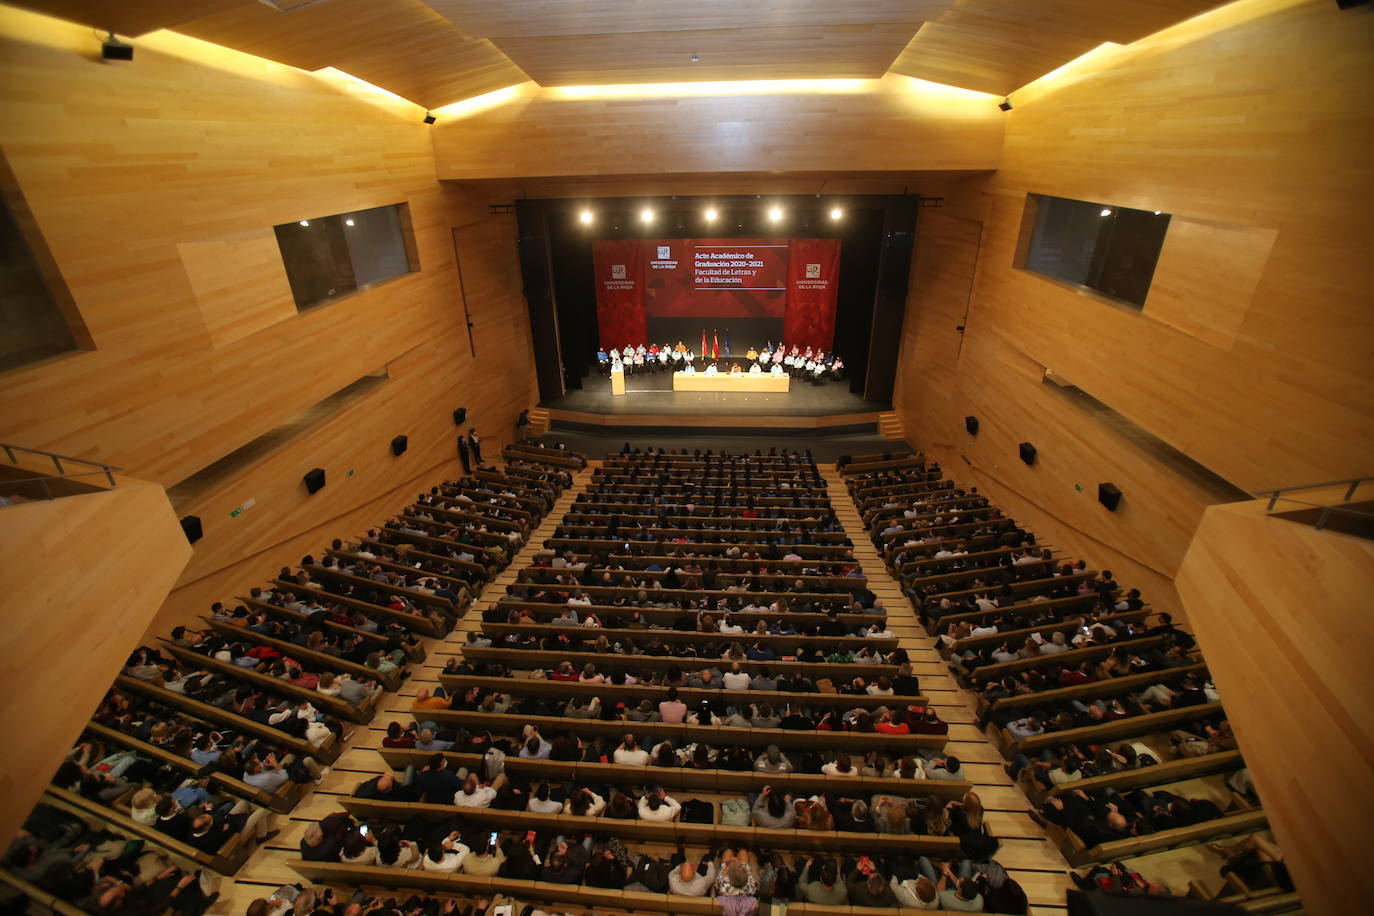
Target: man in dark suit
(463, 453)
(475, 445)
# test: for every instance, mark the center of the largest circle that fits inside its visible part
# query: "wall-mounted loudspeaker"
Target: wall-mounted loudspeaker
(314, 480)
(398, 445)
(1027, 453)
(190, 525)
(971, 424)
(1109, 495)
(460, 416)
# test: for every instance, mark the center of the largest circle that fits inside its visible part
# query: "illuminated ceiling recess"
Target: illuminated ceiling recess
(438, 52)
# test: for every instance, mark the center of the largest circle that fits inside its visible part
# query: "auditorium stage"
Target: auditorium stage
(649, 403)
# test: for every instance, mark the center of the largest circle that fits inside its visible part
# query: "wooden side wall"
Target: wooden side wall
(1252, 355)
(155, 185)
(1283, 612)
(83, 576)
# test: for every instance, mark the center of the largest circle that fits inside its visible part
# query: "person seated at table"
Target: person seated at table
(776, 370)
(690, 370)
(735, 370)
(712, 370)
(755, 369)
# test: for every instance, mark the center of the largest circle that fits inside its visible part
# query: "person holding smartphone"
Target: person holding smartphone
(487, 859)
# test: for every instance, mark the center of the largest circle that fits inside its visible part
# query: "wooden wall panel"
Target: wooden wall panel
(1297, 686)
(129, 170)
(130, 17)
(83, 575)
(239, 284)
(1263, 389)
(1206, 278)
(893, 124)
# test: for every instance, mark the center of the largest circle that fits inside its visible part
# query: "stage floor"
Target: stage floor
(654, 394)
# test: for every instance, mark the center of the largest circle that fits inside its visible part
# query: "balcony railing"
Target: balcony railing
(65, 468)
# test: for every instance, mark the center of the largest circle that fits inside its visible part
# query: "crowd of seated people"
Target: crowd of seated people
(603, 860)
(1065, 637)
(812, 363)
(104, 872)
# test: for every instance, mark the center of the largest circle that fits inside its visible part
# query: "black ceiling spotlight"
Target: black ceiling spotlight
(1005, 104)
(429, 117)
(114, 49)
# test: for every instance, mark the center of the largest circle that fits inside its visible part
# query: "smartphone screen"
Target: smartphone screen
(491, 839)
(362, 828)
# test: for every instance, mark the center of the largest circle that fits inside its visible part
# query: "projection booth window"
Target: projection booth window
(330, 256)
(1109, 249)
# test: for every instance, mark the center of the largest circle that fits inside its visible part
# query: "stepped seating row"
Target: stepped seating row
(1092, 608)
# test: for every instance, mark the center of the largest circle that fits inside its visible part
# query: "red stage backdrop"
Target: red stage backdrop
(791, 279)
(618, 265)
(812, 273)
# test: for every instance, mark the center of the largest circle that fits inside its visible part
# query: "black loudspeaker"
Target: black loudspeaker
(114, 49)
(1109, 495)
(460, 416)
(971, 424)
(314, 480)
(1027, 453)
(190, 525)
(398, 445)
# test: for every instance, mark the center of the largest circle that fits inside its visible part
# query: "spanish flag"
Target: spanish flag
(715, 345)
(703, 343)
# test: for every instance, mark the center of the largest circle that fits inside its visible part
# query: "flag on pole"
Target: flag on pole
(715, 345)
(727, 343)
(703, 343)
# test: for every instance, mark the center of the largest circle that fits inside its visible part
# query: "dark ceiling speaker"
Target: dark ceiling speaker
(398, 445)
(190, 526)
(314, 480)
(1109, 495)
(971, 424)
(1005, 104)
(460, 416)
(1027, 453)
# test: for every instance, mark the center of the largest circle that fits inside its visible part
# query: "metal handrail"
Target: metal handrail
(102, 468)
(1349, 493)
(1351, 485)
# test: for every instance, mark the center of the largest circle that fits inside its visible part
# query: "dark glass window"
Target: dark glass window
(330, 256)
(1106, 248)
(32, 324)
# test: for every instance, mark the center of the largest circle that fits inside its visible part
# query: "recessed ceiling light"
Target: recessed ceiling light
(585, 217)
(836, 213)
(646, 215)
(775, 213)
(1107, 212)
(305, 222)
(710, 214)
(348, 222)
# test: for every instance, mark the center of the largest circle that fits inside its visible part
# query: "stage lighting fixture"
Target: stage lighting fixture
(114, 49)
(1106, 211)
(348, 222)
(1005, 104)
(646, 215)
(429, 117)
(774, 213)
(710, 214)
(305, 222)
(585, 217)
(836, 213)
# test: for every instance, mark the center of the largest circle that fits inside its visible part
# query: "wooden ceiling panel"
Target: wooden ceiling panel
(791, 52)
(401, 45)
(437, 68)
(1000, 45)
(547, 18)
(129, 17)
